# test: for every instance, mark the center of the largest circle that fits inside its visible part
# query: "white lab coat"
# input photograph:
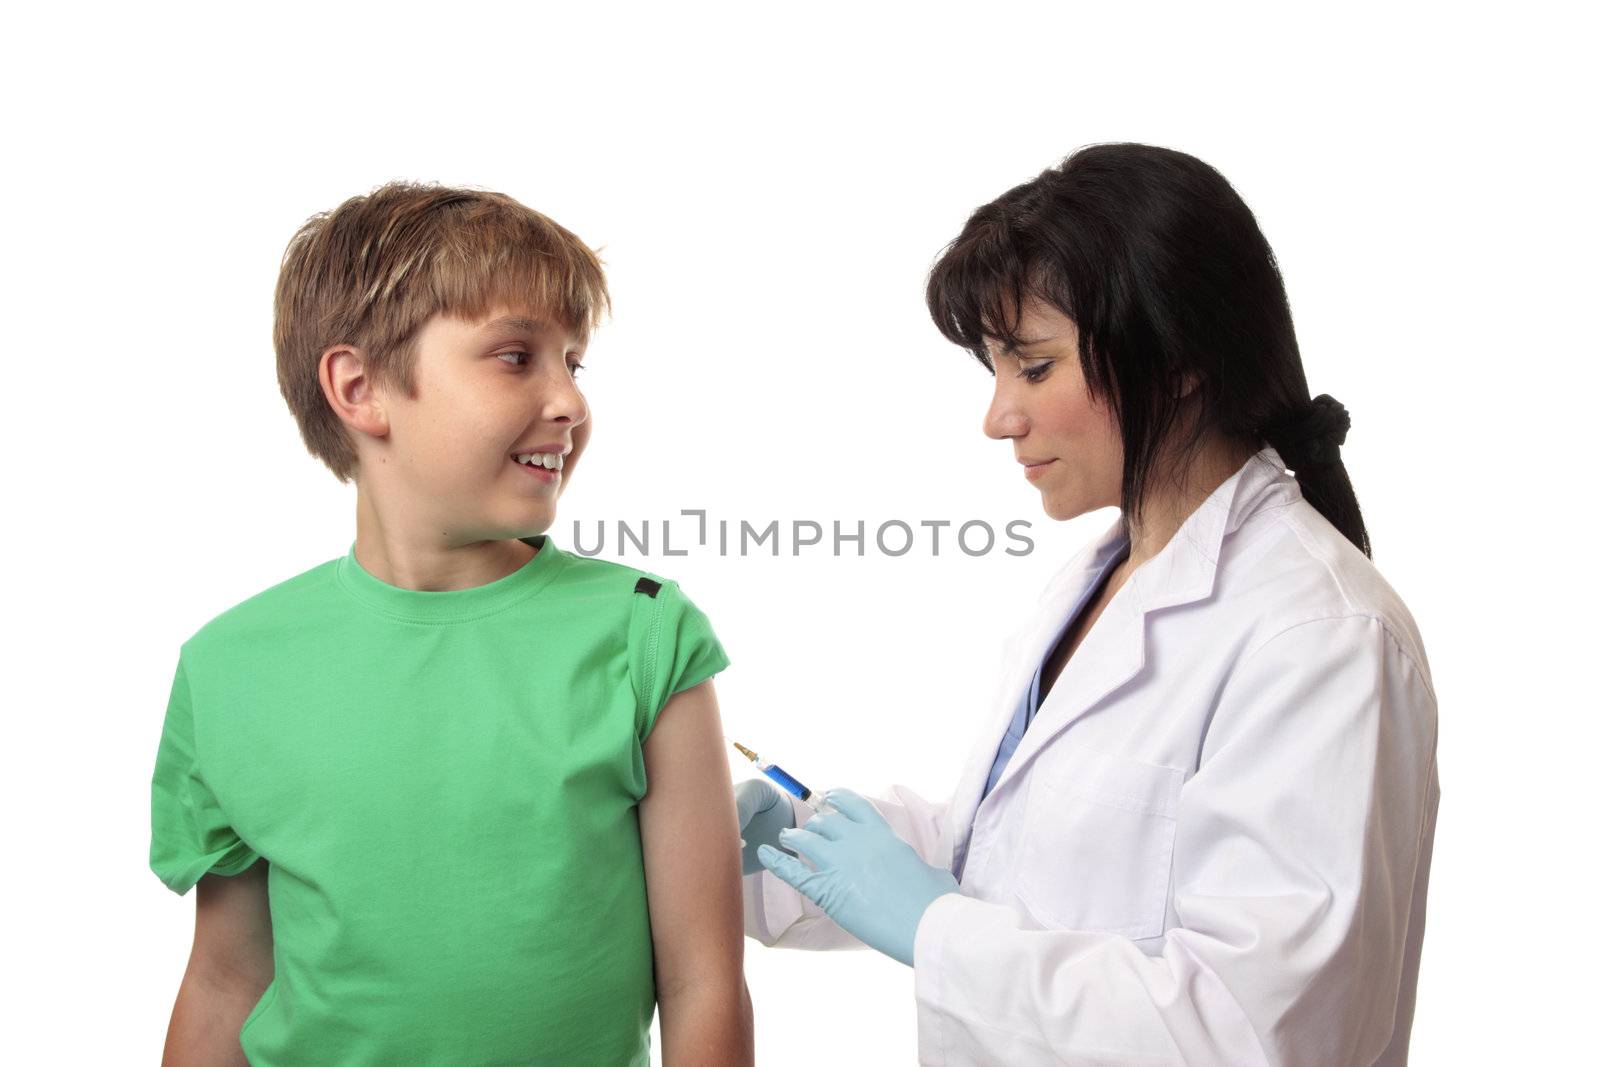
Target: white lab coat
(1212, 844)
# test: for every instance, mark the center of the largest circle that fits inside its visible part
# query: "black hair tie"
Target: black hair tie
(1311, 436)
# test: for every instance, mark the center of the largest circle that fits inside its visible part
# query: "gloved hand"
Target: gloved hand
(764, 810)
(867, 879)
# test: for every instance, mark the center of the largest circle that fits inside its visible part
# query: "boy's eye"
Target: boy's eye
(573, 367)
(1037, 371)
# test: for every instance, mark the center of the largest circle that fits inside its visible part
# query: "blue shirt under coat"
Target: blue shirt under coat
(1028, 706)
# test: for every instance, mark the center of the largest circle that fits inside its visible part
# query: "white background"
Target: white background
(768, 185)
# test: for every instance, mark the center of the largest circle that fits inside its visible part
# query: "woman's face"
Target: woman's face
(1068, 443)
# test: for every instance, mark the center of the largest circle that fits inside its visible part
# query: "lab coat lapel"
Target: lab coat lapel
(1184, 571)
(1022, 654)
(1111, 655)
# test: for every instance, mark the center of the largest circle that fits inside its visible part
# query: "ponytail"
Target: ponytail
(1308, 439)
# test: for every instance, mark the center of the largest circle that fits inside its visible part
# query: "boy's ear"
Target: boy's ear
(349, 389)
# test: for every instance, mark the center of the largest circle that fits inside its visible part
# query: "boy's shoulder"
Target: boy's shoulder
(608, 577)
(291, 600)
(616, 597)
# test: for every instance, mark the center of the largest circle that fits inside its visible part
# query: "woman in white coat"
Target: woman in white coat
(1197, 824)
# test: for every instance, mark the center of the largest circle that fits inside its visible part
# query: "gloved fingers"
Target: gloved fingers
(753, 796)
(749, 862)
(787, 868)
(854, 806)
(764, 826)
(750, 847)
(824, 825)
(819, 850)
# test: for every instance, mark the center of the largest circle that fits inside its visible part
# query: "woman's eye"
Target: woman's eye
(524, 356)
(576, 367)
(1036, 372)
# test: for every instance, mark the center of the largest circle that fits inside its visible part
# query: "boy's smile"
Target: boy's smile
(544, 463)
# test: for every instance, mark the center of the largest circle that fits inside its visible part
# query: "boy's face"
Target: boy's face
(487, 390)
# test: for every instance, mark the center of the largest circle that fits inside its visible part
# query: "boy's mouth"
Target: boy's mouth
(545, 466)
(552, 461)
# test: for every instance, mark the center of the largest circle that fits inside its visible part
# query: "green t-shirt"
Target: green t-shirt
(445, 788)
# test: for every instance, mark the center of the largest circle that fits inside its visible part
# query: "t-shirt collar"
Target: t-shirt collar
(451, 605)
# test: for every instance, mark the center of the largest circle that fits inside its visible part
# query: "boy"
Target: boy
(424, 788)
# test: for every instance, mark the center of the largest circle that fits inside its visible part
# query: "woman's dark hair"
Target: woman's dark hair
(1165, 272)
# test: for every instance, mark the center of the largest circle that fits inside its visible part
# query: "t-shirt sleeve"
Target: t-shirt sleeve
(189, 834)
(678, 650)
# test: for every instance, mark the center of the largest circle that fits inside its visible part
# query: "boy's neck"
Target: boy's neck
(410, 556)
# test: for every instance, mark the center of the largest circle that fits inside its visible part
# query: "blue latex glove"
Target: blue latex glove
(764, 811)
(867, 879)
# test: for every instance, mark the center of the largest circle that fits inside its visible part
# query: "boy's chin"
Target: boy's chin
(535, 529)
(528, 525)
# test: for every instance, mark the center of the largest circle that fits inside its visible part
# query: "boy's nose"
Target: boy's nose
(566, 404)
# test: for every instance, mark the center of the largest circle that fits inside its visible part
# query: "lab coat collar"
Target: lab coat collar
(1185, 570)
(1113, 652)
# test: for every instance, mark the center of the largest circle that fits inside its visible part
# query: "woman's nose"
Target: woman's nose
(1003, 420)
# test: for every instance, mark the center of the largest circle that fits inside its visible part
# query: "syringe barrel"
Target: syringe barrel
(789, 783)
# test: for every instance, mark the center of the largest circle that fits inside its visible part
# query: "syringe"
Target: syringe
(788, 782)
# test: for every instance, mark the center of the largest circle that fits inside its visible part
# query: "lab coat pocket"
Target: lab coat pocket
(1096, 846)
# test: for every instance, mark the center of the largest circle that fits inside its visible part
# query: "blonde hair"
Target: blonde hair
(372, 271)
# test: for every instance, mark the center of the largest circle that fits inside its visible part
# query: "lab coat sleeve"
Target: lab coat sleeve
(1297, 853)
(778, 915)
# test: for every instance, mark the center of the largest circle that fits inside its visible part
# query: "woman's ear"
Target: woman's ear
(1186, 385)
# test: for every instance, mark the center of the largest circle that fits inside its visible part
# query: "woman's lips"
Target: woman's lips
(1033, 470)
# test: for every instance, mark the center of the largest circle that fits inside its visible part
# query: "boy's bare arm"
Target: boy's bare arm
(691, 861)
(230, 966)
